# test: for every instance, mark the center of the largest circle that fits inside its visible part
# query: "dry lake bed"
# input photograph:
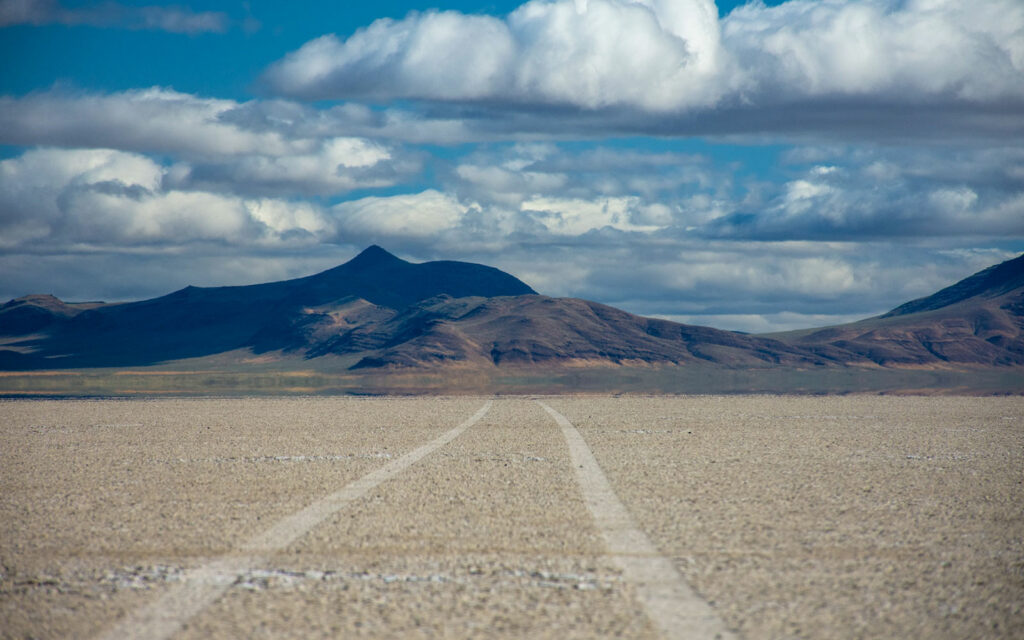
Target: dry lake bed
(457, 517)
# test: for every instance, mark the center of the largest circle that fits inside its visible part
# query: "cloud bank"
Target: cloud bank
(222, 144)
(675, 56)
(852, 230)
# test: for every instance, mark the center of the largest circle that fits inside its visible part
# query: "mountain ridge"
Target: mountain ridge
(378, 312)
(977, 321)
(199, 321)
(991, 282)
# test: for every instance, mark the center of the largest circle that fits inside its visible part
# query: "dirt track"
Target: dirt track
(793, 517)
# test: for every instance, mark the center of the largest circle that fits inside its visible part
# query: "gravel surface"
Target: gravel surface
(833, 517)
(102, 498)
(488, 536)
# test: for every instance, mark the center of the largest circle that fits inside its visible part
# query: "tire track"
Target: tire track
(672, 606)
(200, 587)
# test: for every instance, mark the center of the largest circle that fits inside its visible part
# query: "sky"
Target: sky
(756, 166)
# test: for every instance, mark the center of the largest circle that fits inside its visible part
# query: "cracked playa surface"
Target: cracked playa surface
(795, 517)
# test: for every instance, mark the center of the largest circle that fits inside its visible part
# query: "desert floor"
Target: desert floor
(789, 517)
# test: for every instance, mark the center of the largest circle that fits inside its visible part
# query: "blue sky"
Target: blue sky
(756, 166)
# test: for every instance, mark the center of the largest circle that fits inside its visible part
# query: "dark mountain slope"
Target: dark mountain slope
(29, 314)
(993, 282)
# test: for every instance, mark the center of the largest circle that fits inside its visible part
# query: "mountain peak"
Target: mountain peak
(373, 256)
(37, 299)
(994, 281)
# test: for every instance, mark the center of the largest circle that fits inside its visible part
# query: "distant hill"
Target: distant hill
(531, 331)
(978, 321)
(37, 312)
(380, 313)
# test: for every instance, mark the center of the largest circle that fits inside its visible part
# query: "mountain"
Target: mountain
(195, 322)
(995, 282)
(537, 331)
(37, 312)
(978, 321)
(378, 313)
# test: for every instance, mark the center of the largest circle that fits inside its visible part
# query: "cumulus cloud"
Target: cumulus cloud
(595, 54)
(55, 199)
(877, 193)
(573, 217)
(745, 286)
(82, 219)
(621, 188)
(675, 56)
(223, 144)
(112, 14)
(895, 49)
(848, 231)
(396, 218)
(335, 165)
(153, 119)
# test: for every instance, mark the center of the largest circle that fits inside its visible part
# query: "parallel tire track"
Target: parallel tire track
(673, 607)
(200, 587)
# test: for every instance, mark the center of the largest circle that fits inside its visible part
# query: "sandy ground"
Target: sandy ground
(835, 517)
(838, 517)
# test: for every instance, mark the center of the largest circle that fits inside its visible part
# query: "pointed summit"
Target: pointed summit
(374, 256)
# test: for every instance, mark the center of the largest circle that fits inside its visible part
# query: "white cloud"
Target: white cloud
(508, 186)
(801, 195)
(597, 54)
(106, 198)
(810, 275)
(564, 216)
(570, 220)
(889, 193)
(337, 165)
(676, 56)
(154, 119)
(31, 186)
(266, 149)
(284, 217)
(105, 213)
(906, 50)
(419, 215)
